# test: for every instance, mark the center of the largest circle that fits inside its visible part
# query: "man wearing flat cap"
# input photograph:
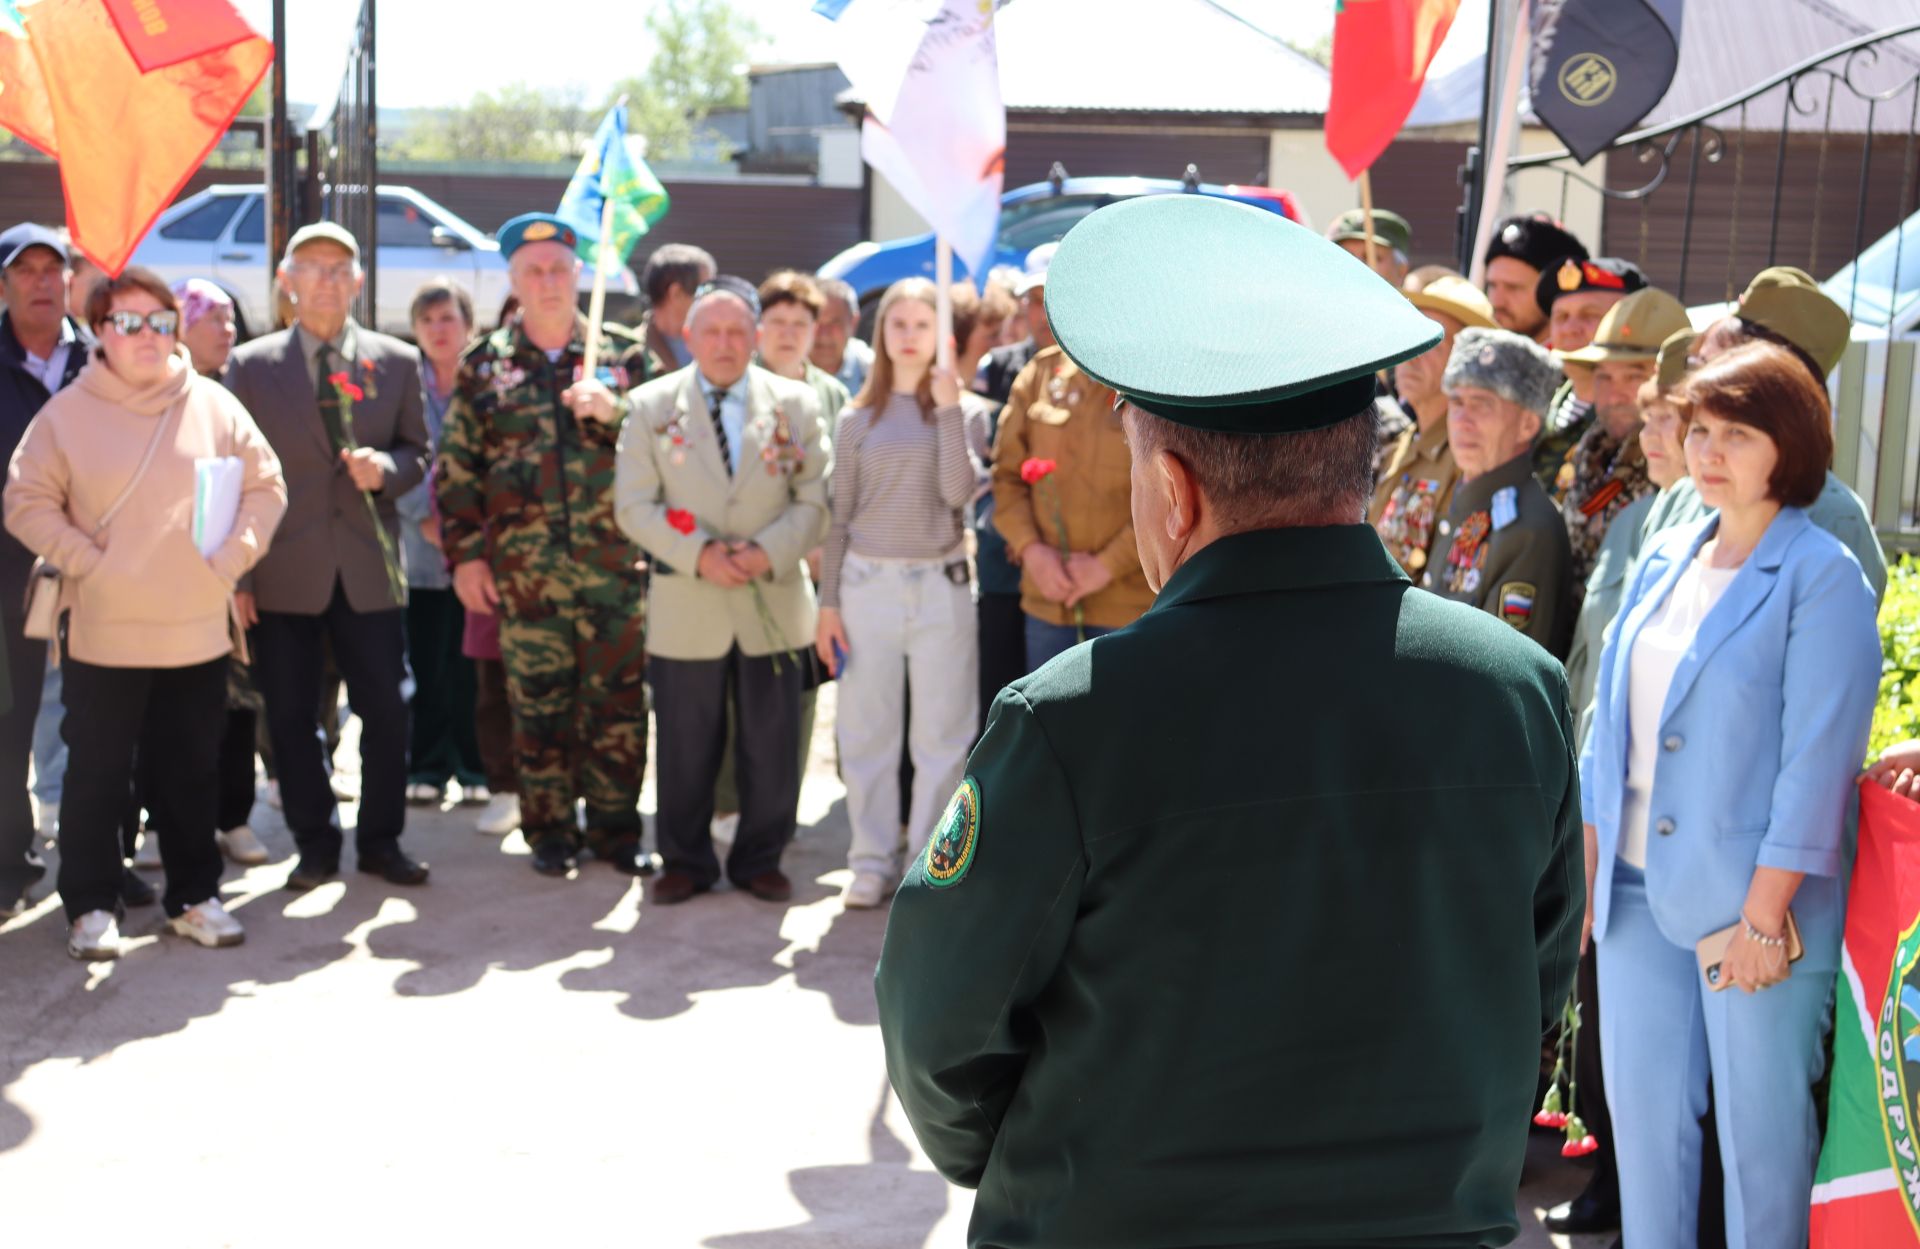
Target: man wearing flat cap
(1416, 485)
(343, 409)
(1504, 548)
(1522, 249)
(1576, 295)
(1392, 241)
(524, 483)
(1105, 992)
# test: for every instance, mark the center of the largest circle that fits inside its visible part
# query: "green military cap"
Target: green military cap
(1633, 329)
(1390, 229)
(1225, 317)
(1672, 368)
(536, 228)
(1790, 303)
(324, 232)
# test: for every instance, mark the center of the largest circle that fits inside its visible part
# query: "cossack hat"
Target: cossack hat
(1510, 365)
(1225, 317)
(1535, 239)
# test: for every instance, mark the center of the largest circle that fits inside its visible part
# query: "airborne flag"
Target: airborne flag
(612, 170)
(1599, 66)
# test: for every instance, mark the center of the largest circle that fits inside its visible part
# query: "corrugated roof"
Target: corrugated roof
(1728, 47)
(1179, 56)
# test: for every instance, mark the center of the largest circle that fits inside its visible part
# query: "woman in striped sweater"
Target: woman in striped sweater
(896, 595)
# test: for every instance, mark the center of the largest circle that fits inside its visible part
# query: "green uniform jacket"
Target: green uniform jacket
(1503, 548)
(1208, 951)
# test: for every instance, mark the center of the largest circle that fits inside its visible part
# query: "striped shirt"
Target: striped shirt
(900, 484)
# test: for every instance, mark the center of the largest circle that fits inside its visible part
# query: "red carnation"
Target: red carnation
(345, 386)
(1580, 1148)
(681, 519)
(339, 379)
(1034, 471)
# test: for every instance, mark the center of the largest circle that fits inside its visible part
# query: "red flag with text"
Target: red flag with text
(1381, 51)
(129, 96)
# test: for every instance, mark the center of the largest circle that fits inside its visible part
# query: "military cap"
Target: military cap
(727, 284)
(1225, 317)
(1633, 329)
(1571, 276)
(1390, 229)
(324, 232)
(536, 228)
(1512, 366)
(1674, 358)
(1535, 239)
(1457, 298)
(15, 242)
(1791, 304)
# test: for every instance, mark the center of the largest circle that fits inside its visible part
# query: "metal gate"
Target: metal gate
(342, 165)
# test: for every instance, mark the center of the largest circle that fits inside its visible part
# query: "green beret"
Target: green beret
(1390, 229)
(1790, 303)
(1672, 367)
(1225, 317)
(535, 228)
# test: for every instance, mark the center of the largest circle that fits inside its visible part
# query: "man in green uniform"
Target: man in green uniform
(525, 488)
(1505, 546)
(1204, 951)
(1392, 241)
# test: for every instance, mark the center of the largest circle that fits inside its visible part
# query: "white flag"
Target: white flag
(935, 126)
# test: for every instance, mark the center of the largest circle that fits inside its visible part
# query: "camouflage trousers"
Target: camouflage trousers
(576, 683)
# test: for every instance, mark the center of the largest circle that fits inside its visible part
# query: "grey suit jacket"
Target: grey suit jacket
(327, 534)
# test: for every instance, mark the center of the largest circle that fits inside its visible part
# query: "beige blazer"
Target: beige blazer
(662, 487)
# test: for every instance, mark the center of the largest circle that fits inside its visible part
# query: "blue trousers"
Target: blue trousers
(1663, 1032)
(49, 749)
(1044, 640)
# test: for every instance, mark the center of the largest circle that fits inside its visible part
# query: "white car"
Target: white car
(220, 235)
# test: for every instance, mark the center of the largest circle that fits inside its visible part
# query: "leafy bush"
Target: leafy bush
(1897, 718)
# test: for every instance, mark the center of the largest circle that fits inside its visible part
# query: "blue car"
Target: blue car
(1031, 215)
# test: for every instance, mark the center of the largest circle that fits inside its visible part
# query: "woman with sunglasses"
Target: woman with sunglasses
(104, 487)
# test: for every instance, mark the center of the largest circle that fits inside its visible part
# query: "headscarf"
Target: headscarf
(197, 298)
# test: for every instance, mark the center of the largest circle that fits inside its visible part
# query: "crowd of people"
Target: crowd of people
(515, 546)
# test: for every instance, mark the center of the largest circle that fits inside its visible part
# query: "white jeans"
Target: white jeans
(907, 624)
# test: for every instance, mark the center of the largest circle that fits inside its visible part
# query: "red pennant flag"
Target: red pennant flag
(127, 138)
(1381, 51)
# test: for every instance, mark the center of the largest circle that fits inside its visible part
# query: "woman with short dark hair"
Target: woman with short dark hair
(1731, 713)
(105, 487)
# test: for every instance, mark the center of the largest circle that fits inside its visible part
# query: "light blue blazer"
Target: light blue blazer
(1761, 738)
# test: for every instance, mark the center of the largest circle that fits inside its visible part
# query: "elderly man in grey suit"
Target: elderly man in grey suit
(721, 477)
(343, 409)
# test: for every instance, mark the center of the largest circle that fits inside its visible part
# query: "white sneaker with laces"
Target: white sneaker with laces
(868, 890)
(501, 817)
(209, 924)
(146, 854)
(94, 937)
(242, 846)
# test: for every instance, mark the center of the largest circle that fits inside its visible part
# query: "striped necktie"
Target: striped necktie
(720, 432)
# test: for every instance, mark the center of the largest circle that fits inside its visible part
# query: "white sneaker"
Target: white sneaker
(94, 937)
(421, 794)
(345, 788)
(146, 852)
(724, 828)
(868, 890)
(475, 795)
(209, 924)
(242, 846)
(501, 817)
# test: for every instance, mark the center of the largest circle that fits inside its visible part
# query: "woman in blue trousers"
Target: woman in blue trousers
(1732, 709)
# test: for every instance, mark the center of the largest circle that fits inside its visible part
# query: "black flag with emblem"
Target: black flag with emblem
(1599, 66)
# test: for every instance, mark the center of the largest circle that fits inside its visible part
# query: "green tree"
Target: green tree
(700, 49)
(517, 122)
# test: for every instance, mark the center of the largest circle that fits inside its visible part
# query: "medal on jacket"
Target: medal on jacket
(612, 376)
(673, 441)
(1466, 553)
(782, 454)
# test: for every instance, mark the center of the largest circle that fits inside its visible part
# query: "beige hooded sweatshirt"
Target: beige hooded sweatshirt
(140, 594)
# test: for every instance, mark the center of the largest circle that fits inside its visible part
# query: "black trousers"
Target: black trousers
(443, 746)
(26, 669)
(689, 708)
(493, 726)
(370, 649)
(233, 786)
(174, 719)
(1003, 647)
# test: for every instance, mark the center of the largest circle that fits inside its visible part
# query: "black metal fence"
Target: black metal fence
(342, 173)
(1806, 168)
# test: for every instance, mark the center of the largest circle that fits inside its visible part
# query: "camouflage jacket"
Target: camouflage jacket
(519, 481)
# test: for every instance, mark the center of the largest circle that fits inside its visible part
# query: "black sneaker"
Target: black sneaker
(133, 890)
(552, 856)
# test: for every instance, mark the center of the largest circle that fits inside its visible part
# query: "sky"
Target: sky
(432, 53)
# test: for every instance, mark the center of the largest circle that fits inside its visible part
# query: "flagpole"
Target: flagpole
(1366, 210)
(1493, 183)
(597, 302)
(943, 300)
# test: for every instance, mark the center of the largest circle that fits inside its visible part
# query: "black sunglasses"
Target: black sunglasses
(131, 323)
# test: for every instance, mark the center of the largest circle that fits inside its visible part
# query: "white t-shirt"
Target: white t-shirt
(1657, 652)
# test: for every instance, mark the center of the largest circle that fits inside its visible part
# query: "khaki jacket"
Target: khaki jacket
(672, 495)
(1056, 412)
(1415, 491)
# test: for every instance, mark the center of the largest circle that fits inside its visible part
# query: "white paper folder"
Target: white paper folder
(216, 500)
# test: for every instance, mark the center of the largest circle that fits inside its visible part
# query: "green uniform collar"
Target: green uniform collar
(1271, 560)
(1477, 495)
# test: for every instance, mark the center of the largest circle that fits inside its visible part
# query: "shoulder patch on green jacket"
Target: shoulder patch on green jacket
(955, 838)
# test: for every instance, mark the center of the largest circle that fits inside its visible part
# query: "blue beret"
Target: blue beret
(536, 228)
(1225, 317)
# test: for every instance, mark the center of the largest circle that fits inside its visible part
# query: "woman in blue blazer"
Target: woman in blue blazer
(1732, 707)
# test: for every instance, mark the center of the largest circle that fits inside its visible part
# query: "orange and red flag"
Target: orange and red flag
(129, 96)
(1381, 51)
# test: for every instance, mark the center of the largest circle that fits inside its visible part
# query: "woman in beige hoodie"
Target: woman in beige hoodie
(145, 615)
